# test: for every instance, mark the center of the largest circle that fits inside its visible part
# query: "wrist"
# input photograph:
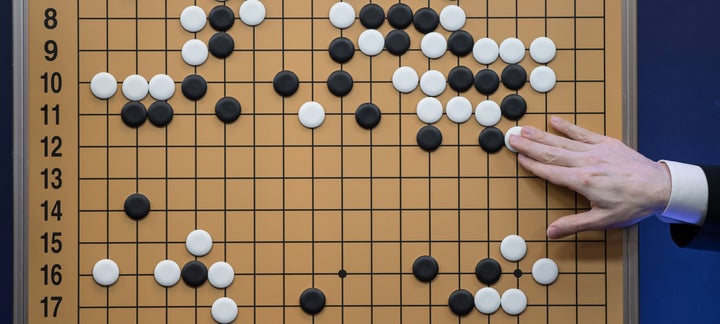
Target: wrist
(662, 190)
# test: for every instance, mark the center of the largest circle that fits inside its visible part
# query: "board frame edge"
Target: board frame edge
(20, 162)
(630, 237)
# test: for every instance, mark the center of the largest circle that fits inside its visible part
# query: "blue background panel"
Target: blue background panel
(678, 119)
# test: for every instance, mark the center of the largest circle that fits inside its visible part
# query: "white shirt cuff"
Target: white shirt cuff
(688, 196)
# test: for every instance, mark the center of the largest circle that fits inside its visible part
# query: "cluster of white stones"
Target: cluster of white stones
(193, 19)
(513, 301)
(167, 273)
(135, 87)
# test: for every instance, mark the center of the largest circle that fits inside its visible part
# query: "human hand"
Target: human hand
(622, 185)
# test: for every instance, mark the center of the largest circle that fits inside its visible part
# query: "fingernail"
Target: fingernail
(514, 138)
(555, 119)
(529, 130)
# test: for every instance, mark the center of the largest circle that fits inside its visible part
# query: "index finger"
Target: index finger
(559, 175)
(547, 154)
(574, 131)
(546, 138)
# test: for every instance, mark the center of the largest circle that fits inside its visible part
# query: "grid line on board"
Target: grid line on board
(284, 215)
(547, 183)
(577, 293)
(167, 176)
(318, 18)
(604, 41)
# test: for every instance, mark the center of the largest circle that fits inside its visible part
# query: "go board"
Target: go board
(355, 210)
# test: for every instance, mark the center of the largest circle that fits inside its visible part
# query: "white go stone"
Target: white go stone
(513, 247)
(485, 51)
(487, 300)
(452, 18)
(542, 50)
(311, 114)
(542, 79)
(488, 113)
(193, 19)
(545, 271)
(252, 12)
(135, 87)
(162, 87)
(224, 310)
(433, 83)
(512, 50)
(342, 15)
(103, 85)
(198, 242)
(513, 301)
(194, 52)
(433, 45)
(429, 110)
(167, 273)
(371, 42)
(515, 130)
(221, 274)
(458, 109)
(106, 272)
(405, 79)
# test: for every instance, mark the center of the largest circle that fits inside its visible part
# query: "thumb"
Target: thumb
(572, 224)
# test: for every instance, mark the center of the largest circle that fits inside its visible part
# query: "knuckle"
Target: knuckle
(540, 135)
(582, 135)
(616, 143)
(548, 156)
(587, 180)
(591, 159)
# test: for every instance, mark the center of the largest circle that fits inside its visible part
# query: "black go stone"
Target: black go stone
(491, 139)
(133, 114)
(487, 81)
(426, 20)
(341, 49)
(400, 16)
(312, 301)
(461, 78)
(513, 107)
(194, 273)
(227, 109)
(221, 45)
(429, 138)
(488, 271)
(286, 83)
(513, 76)
(425, 268)
(160, 113)
(137, 206)
(461, 43)
(397, 42)
(340, 83)
(372, 16)
(194, 87)
(367, 115)
(221, 18)
(461, 302)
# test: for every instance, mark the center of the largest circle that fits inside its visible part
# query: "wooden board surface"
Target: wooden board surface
(289, 207)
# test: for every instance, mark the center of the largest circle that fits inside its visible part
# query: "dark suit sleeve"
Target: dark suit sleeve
(707, 236)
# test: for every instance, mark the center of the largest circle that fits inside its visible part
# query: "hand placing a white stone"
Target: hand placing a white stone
(622, 185)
